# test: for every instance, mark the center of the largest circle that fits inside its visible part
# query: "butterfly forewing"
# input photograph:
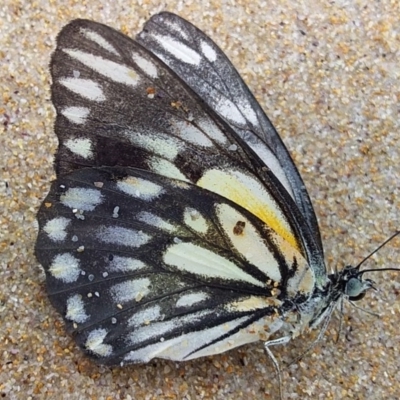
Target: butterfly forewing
(132, 257)
(118, 104)
(129, 99)
(206, 69)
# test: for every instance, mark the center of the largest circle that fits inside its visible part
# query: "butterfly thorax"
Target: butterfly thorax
(347, 283)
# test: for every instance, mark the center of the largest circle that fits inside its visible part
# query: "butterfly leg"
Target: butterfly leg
(267, 345)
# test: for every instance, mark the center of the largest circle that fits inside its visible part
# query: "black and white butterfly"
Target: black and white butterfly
(178, 225)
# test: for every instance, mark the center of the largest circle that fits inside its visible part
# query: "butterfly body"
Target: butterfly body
(178, 225)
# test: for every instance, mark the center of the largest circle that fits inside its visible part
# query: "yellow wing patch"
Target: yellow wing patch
(244, 190)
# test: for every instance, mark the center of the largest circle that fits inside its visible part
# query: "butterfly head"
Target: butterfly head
(352, 285)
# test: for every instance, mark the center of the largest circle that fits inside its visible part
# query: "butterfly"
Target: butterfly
(178, 225)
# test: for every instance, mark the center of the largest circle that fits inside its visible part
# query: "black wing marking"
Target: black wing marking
(114, 244)
(218, 83)
(118, 104)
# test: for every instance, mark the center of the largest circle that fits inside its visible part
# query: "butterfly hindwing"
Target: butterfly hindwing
(207, 70)
(132, 257)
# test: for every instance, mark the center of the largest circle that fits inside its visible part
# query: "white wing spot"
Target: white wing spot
(95, 344)
(232, 147)
(211, 130)
(197, 260)
(167, 169)
(174, 26)
(115, 212)
(145, 65)
(110, 69)
(228, 110)
(84, 87)
(188, 300)
(179, 50)
(125, 264)
(271, 161)
(122, 236)
(76, 309)
(247, 110)
(55, 228)
(65, 267)
(77, 115)
(140, 188)
(131, 290)
(208, 51)
(163, 145)
(150, 331)
(157, 329)
(253, 303)
(98, 39)
(81, 199)
(190, 133)
(180, 185)
(156, 221)
(194, 220)
(80, 147)
(145, 317)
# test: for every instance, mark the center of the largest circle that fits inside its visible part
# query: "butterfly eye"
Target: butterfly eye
(359, 297)
(356, 288)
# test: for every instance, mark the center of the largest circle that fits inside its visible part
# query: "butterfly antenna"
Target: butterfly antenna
(375, 251)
